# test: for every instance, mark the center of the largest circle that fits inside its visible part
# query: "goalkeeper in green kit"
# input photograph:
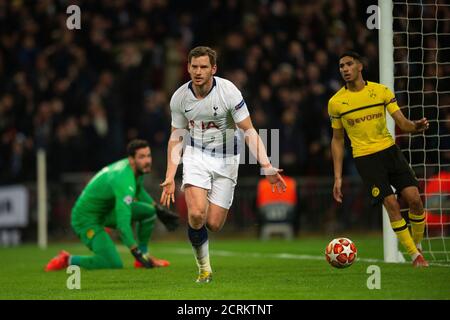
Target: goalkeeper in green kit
(115, 198)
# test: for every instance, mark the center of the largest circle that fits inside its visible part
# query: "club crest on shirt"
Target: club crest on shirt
(90, 233)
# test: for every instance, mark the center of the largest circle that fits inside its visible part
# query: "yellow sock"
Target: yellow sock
(401, 230)
(417, 222)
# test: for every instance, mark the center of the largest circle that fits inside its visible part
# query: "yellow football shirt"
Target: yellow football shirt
(363, 116)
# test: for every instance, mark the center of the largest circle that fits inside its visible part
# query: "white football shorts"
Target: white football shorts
(218, 175)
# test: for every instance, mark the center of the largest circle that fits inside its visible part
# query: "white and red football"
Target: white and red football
(341, 252)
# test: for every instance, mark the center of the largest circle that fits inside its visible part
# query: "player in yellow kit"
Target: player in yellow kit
(359, 108)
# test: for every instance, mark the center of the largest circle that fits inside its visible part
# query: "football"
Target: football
(341, 253)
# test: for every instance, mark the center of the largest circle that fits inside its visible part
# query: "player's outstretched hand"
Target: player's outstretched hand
(141, 258)
(421, 125)
(276, 180)
(168, 193)
(337, 192)
(169, 218)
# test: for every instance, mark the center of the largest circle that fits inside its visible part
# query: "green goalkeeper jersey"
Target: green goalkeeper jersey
(110, 191)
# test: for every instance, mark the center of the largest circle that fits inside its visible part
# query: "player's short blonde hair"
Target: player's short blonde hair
(203, 51)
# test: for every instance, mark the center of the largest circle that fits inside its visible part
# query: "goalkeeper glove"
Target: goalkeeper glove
(141, 258)
(169, 218)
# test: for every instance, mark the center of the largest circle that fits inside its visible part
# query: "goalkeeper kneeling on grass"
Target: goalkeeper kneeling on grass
(115, 198)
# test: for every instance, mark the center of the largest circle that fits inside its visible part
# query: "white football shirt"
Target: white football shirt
(212, 120)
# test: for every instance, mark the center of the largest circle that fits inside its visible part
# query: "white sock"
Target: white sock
(202, 257)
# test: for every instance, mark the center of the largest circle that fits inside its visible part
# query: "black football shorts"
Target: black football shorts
(381, 170)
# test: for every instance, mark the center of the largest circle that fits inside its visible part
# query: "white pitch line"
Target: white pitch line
(291, 256)
(288, 256)
(284, 255)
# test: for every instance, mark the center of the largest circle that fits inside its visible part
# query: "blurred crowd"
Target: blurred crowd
(83, 94)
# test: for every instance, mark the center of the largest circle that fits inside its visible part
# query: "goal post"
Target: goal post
(41, 198)
(386, 62)
(414, 63)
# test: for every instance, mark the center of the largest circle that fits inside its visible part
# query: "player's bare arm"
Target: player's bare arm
(337, 151)
(174, 147)
(258, 150)
(409, 126)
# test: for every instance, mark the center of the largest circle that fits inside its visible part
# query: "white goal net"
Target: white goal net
(421, 34)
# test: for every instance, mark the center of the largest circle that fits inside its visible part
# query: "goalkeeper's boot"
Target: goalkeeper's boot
(159, 263)
(420, 262)
(61, 261)
(204, 277)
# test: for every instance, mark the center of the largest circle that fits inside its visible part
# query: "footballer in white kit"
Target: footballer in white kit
(213, 143)
(207, 113)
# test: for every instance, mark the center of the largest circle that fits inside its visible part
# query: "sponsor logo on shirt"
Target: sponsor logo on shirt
(128, 200)
(352, 122)
(204, 125)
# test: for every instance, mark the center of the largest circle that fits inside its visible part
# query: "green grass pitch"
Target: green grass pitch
(243, 270)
